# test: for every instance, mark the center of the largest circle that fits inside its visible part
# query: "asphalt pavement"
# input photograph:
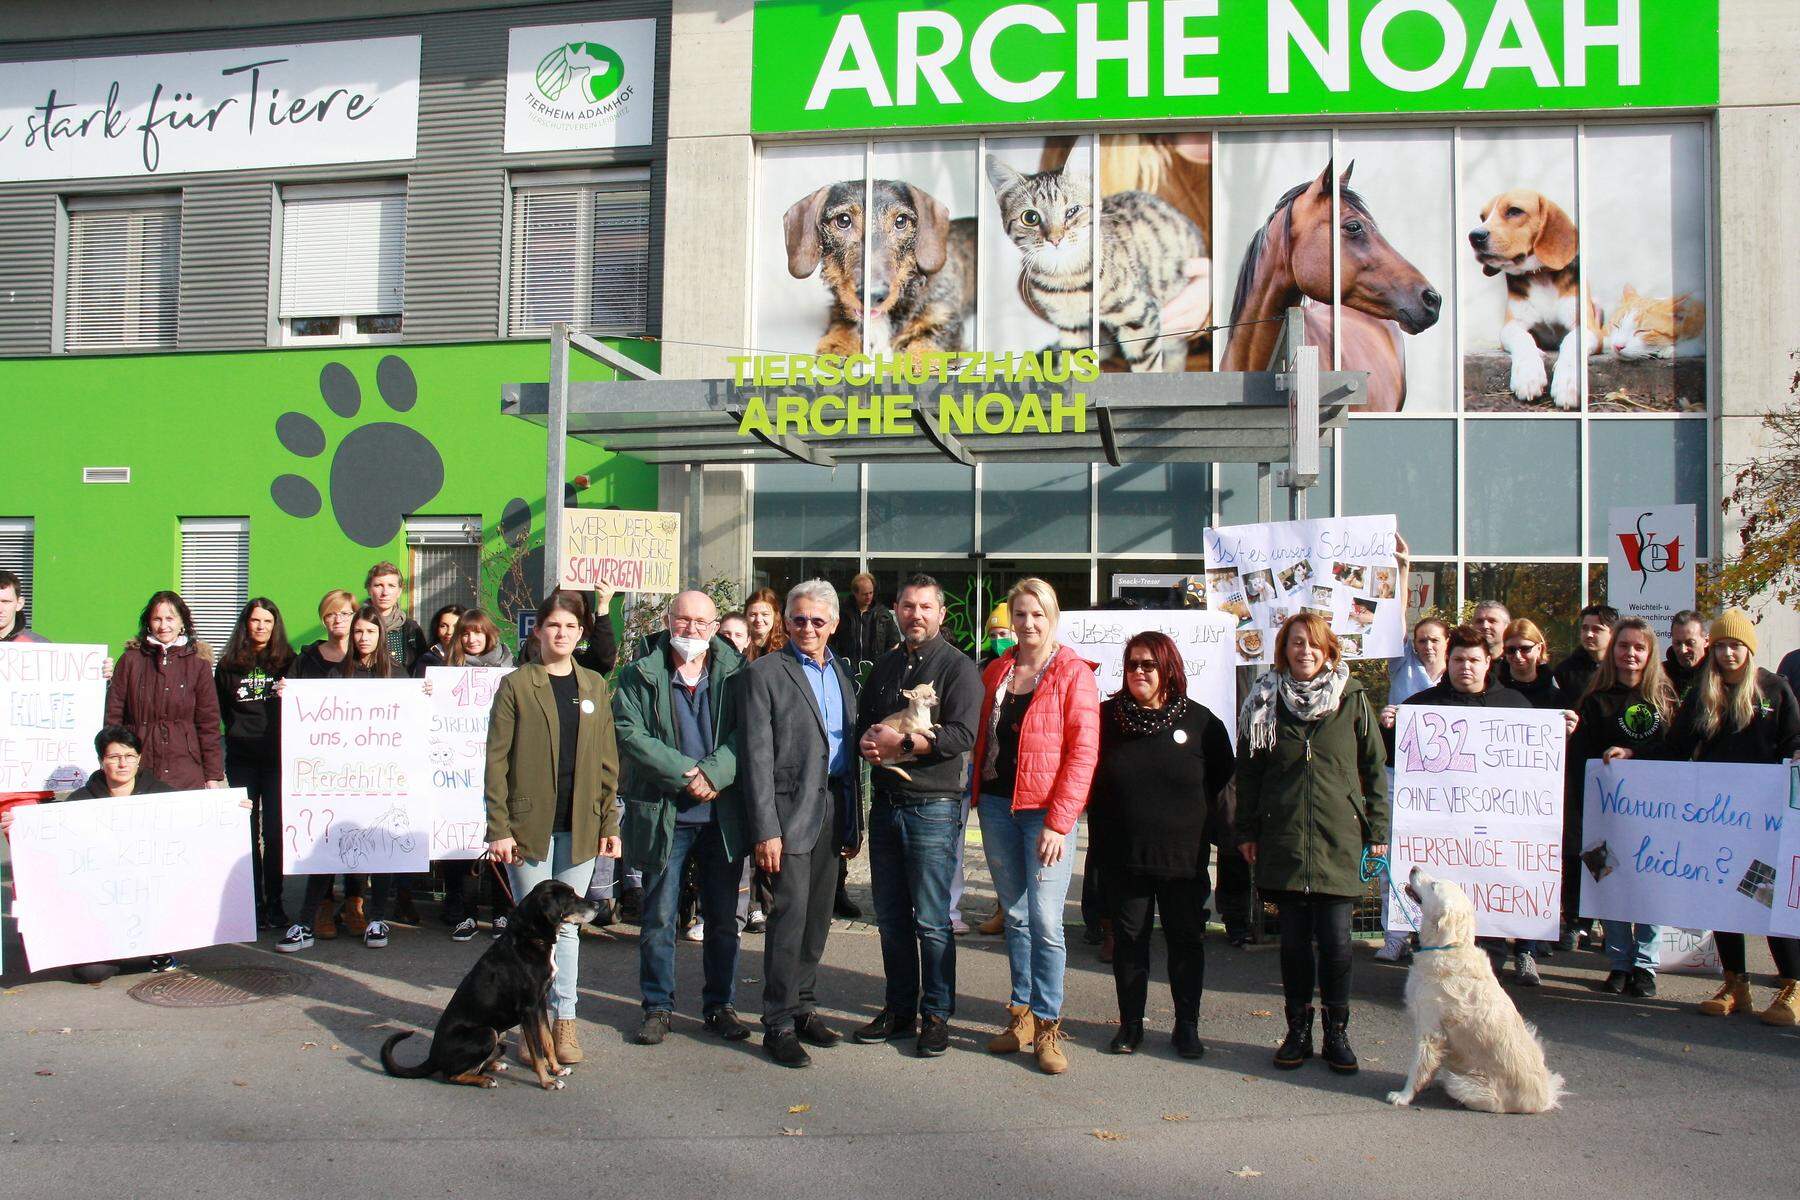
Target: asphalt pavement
(106, 1095)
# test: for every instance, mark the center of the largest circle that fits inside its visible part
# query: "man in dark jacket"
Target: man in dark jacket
(867, 630)
(797, 767)
(917, 818)
(12, 610)
(676, 718)
(1687, 650)
(1574, 673)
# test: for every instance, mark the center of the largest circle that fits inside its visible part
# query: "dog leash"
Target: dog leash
(494, 865)
(1376, 866)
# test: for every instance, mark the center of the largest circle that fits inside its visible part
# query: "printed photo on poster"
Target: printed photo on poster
(1260, 575)
(1525, 329)
(1645, 266)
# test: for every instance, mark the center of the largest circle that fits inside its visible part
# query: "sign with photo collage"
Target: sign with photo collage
(1341, 568)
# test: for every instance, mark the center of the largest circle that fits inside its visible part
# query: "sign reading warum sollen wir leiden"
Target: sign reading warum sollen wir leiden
(823, 65)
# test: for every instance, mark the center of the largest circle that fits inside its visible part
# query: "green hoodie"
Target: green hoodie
(1316, 799)
(653, 767)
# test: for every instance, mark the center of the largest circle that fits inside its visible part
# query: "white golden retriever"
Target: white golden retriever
(1470, 1034)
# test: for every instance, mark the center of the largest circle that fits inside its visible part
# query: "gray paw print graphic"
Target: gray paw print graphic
(380, 470)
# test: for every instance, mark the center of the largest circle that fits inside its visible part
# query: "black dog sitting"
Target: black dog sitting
(508, 986)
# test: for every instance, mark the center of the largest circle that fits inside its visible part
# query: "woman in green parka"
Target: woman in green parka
(1312, 797)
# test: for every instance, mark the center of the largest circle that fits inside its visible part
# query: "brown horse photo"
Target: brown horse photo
(1289, 262)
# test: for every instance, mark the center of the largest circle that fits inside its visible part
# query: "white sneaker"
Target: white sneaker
(464, 931)
(499, 926)
(696, 932)
(376, 935)
(1396, 947)
(296, 939)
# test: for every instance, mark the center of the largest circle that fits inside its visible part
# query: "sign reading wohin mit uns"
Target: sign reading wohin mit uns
(831, 66)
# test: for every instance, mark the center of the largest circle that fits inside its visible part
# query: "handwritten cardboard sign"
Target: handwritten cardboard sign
(1342, 568)
(461, 699)
(1478, 799)
(133, 876)
(1203, 638)
(355, 776)
(1680, 843)
(628, 551)
(52, 701)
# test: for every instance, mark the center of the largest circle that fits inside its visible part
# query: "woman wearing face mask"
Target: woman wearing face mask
(162, 690)
(1311, 799)
(552, 782)
(1739, 713)
(1627, 708)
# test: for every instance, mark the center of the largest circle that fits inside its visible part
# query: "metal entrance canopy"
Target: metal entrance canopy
(1262, 417)
(1131, 418)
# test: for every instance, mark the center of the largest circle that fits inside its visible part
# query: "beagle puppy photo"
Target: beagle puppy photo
(1531, 240)
(919, 277)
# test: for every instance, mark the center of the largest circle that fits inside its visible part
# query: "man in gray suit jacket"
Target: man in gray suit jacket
(797, 767)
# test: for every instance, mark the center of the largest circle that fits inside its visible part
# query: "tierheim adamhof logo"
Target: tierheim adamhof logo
(580, 85)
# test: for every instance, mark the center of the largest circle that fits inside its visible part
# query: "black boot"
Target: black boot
(1186, 1039)
(1297, 1046)
(1128, 1039)
(1337, 1053)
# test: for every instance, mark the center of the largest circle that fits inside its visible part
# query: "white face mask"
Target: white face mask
(688, 648)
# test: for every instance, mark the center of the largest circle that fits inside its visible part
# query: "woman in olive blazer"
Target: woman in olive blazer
(552, 776)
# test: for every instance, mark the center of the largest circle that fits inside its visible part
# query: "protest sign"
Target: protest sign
(355, 777)
(1478, 800)
(1650, 561)
(461, 698)
(1784, 919)
(1342, 568)
(629, 551)
(52, 703)
(1687, 952)
(1680, 843)
(131, 876)
(1203, 638)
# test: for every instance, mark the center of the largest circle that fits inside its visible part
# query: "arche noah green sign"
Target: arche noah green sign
(883, 63)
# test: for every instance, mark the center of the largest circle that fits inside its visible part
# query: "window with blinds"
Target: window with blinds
(581, 254)
(446, 564)
(16, 547)
(215, 574)
(123, 273)
(343, 262)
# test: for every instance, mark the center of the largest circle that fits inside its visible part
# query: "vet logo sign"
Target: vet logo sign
(1650, 560)
(580, 87)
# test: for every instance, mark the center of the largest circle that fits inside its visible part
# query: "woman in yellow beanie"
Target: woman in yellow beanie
(1739, 713)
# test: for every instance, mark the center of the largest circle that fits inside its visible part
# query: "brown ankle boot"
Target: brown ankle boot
(1050, 1057)
(325, 923)
(1733, 996)
(1785, 1008)
(355, 922)
(1020, 1031)
(994, 924)
(563, 1041)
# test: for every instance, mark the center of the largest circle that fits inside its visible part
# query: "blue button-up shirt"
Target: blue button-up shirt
(828, 694)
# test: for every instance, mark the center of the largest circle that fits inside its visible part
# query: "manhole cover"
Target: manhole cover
(217, 989)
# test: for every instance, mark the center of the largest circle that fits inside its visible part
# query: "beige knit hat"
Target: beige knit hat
(1734, 623)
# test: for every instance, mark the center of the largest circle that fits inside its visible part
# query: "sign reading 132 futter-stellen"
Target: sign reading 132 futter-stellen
(823, 65)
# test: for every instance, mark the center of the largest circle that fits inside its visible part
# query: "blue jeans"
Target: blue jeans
(523, 877)
(1033, 897)
(912, 863)
(717, 876)
(1631, 945)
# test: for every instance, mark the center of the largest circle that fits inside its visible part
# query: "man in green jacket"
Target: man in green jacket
(676, 715)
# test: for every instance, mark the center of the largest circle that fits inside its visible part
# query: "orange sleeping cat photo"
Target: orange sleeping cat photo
(1640, 327)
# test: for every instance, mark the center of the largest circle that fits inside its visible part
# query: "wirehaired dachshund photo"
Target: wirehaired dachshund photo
(920, 277)
(508, 986)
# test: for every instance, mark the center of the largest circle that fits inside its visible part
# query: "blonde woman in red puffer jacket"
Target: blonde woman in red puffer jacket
(1035, 751)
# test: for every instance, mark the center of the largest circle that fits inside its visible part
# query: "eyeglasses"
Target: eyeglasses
(810, 622)
(1527, 648)
(1146, 665)
(121, 758)
(694, 622)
